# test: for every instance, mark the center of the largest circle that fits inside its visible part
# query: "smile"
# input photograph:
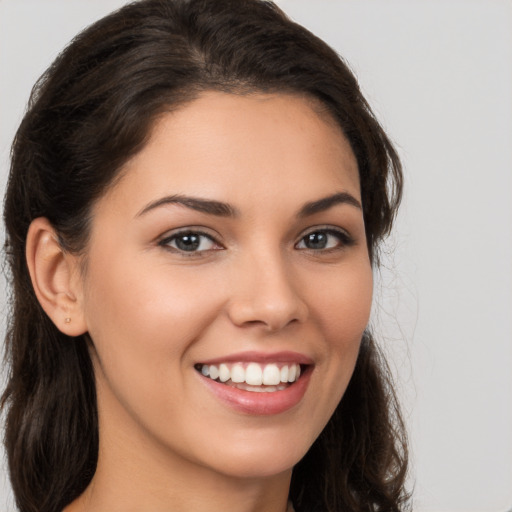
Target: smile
(252, 376)
(258, 384)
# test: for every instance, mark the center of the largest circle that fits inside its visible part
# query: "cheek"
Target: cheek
(135, 313)
(134, 289)
(341, 312)
(343, 304)
(142, 323)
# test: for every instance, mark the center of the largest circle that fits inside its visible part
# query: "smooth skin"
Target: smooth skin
(261, 272)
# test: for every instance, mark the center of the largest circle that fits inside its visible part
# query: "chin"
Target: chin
(262, 460)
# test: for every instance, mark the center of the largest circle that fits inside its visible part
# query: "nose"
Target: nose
(265, 293)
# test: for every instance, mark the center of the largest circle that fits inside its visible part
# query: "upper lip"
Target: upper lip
(262, 357)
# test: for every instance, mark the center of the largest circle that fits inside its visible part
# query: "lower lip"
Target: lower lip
(265, 403)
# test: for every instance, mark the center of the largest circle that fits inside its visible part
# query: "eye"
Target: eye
(190, 242)
(324, 239)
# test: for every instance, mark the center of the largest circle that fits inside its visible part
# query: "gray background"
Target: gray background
(439, 75)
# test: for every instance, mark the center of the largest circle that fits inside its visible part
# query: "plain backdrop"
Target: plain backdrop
(439, 75)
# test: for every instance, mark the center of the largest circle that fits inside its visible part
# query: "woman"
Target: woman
(196, 198)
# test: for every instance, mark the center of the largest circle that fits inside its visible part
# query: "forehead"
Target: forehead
(243, 145)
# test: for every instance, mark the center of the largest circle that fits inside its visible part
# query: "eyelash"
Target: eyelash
(167, 241)
(344, 240)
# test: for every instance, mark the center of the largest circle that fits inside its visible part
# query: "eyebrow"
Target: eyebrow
(321, 205)
(221, 209)
(208, 206)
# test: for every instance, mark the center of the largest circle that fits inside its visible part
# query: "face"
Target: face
(230, 257)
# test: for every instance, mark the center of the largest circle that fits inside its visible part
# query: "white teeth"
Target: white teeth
(261, 389)
(224, 373)
(271, 375)
(238, 373)
(254, 375)
(214, 372)
(284, 374)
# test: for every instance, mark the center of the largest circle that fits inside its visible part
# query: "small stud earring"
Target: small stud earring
(67, 320)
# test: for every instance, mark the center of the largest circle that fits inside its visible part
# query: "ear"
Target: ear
(56, 278)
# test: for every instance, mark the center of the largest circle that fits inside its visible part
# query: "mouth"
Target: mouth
(255, 383)
(254, 377)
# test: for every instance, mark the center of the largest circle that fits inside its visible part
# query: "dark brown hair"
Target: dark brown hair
(89, 113)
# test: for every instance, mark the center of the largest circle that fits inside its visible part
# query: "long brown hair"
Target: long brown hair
(88, 114)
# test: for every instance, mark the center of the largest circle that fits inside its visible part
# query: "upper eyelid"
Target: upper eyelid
(325, 227)
(188, 229)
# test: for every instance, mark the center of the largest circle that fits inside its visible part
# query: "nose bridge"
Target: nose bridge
(265, 291)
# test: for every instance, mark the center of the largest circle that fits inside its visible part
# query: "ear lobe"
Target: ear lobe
(55, 277)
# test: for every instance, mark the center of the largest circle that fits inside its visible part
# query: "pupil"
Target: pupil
(316, 240)
(188, 242)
